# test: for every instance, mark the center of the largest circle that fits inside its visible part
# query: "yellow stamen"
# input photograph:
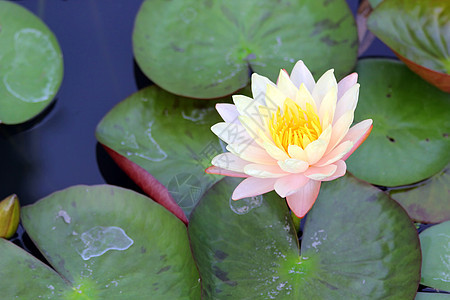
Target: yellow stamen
(294, 126)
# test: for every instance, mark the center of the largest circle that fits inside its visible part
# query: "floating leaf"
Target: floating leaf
(205, 49)
(435, 243)
(357, 244)
(418, 31)
(164, 143)
(31, 64)
(409, 141)
(432, 296)
(429, 201)
(375, 3)
(105, 243)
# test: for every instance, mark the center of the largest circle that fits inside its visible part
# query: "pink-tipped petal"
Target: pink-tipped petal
(347, 102)
(220, 171)
(230, 162)
(340, 171)
(320, 173)
(253, 187)
(288, 185)
(231, 133)
(252, 153)
(264, 171)
(293, 165)
(285, 84)
(228, 112)
(248, 107)
(346, 83)
(259, 86)
(301, 74)
(326, 82)
(336, 154)
(358, 134)
(340, 129)
(301, 201)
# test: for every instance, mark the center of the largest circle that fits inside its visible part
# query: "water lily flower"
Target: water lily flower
(290, 136)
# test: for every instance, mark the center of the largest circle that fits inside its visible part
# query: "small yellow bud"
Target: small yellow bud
(9, 216)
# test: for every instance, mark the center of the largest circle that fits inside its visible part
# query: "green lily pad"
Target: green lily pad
(375, 3)
(104, 242)
(31, 64)
(168, 137)
(416, 29)
(429, 201)
(25, 277)
(435, 243)
(357, 244)
(205, 49)
(409, 141)
(432, 296)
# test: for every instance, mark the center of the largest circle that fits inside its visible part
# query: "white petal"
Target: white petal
(323, 85)
(288, 185)
(252, 128)
(231, 133)
(347, 102)
(301, 74)
(358, 134)
(327, 107)
(275, 152)
(292, 165)
(264, 171)
(224, 172)
(340, 171)
(336, 154)
(259, 86)
(230, 162)
(301, 201)
(340, 129)
(297, 152)
(253, 187)
(320, 173)
(228, 112)
(248, 107)
(346, 83)
(274, 98)
(316, 149)
(252, 153)
(303, 96)
(285, 84)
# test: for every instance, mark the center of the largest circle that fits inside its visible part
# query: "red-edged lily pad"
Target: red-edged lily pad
(418, 32)
(164, 143)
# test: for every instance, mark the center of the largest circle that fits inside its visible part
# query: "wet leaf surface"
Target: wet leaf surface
(104, 243)
(168, 137)
(31, 64)
(205, 49)
(357, 243)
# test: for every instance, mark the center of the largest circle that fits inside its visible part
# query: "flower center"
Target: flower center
(294, 126)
